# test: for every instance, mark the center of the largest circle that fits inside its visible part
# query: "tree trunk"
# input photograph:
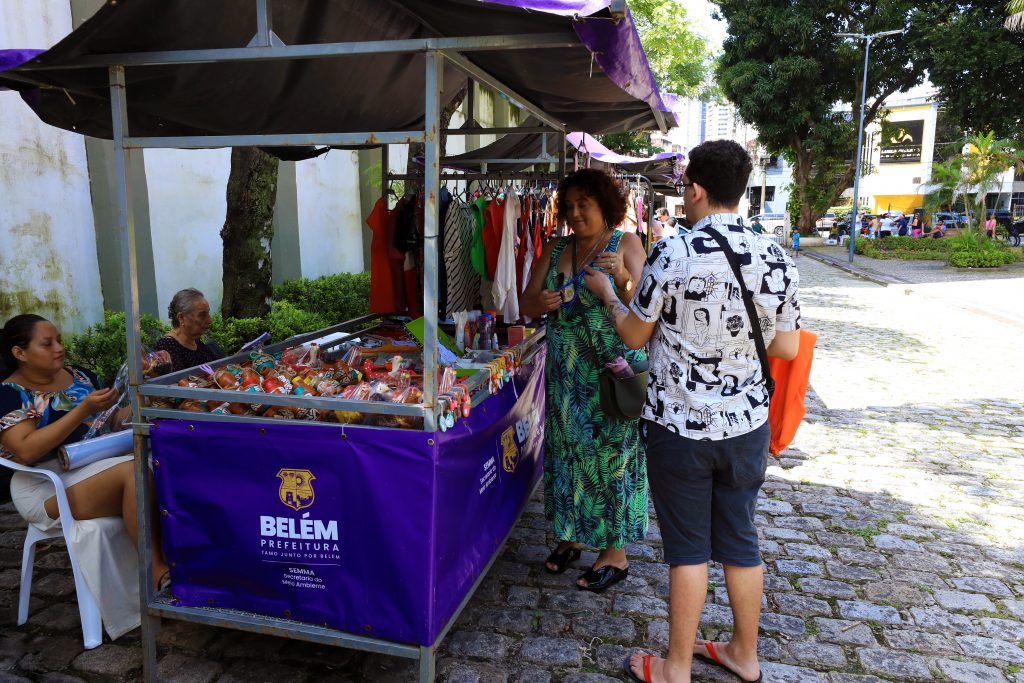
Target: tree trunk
(247, 233)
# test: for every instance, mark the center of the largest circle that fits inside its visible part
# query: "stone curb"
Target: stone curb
(872, 276)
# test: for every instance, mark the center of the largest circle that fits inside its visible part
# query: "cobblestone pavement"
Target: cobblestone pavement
(893, 533)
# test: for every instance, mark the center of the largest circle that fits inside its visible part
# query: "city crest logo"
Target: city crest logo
(296, 489)
(510, 450)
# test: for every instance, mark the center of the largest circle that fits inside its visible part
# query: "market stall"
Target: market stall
(357, 535)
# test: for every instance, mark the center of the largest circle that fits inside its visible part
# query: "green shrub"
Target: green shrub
(231, 333)
(337, 298)
(980, 259)
(300, 306)
(102, 348)
(286, 320)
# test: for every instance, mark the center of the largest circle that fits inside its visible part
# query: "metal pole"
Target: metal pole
(431, 188)
(854, 229)
(130, 283)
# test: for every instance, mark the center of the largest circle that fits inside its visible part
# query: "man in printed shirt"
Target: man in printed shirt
(706, 414)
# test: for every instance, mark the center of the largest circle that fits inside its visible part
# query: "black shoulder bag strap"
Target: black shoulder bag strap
(748, 302)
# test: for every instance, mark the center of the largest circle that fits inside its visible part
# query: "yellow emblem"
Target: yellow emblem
(510, 457)
(296, 488)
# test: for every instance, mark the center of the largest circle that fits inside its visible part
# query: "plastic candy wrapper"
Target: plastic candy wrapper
(620, 368)
(154, 363)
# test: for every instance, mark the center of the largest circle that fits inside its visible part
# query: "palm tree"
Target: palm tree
(1015, 20)
(984, 164)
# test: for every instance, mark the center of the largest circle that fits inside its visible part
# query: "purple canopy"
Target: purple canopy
(602, 85)
(12, 58)
(592, 146)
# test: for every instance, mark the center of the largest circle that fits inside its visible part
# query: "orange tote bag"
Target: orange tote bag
(786, 410)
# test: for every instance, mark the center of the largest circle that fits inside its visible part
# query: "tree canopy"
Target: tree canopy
(974, 62)
(678, 55)
(786, 70)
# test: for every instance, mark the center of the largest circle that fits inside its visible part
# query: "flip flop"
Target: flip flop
(561, 559)
(647, 668)
(600, 579)
(164, 581)
(712, 658)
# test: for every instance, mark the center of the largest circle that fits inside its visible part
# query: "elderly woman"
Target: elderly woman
(595, 474)
(190, 319)
(45, 405)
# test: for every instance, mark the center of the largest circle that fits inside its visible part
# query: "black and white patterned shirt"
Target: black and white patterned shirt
(705, 380)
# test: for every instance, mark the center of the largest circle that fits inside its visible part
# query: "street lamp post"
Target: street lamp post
(867, 37)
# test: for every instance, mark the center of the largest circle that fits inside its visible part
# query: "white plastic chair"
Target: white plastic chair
(88, 609)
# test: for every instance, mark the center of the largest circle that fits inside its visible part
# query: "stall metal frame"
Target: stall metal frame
(267, 46)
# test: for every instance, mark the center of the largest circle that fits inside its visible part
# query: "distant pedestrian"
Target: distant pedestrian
(990, 226)
(795, 241)
(757, 227)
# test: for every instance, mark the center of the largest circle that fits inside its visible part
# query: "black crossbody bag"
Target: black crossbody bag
(748, 302)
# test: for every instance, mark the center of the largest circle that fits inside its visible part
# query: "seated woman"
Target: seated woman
(190, 319)
(44, 405)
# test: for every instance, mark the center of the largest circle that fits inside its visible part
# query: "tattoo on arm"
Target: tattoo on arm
(617, 311)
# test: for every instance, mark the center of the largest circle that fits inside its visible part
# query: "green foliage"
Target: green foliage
(231, 333)
(286, 320)
(102, 348)
(904, 248)
(785, 69)
(970, 250)
(679, 57)
(968, 55)
(299, 306)
(337, 298)
(633, 143)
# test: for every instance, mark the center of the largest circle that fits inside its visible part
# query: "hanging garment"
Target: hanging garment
(506, 296)
(494, 224)
(478, 255)
(629, 221)
(444, 200)
(523, 243)
(463, 282)
(382, 275)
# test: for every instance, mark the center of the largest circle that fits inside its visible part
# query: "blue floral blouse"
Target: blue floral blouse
(18, 404)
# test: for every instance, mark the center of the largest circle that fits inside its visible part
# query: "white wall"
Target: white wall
(187, 205)
(48, 261)
(331, 226)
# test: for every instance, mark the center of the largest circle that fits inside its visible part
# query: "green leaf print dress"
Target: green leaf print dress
(595, 470)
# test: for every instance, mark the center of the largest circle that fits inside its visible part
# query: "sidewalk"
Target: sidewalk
(893, 538)
(997, 292)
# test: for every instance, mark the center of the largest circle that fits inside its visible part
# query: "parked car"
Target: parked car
(774, 223)
(826, 222)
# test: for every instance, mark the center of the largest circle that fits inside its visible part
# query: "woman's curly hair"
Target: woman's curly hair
(601, 187)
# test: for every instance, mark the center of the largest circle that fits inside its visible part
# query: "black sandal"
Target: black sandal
(164, 581)
(603, 578)
(561, 559)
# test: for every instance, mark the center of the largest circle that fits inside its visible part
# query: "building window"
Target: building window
(1017, 204)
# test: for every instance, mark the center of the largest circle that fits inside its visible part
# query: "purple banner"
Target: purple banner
(374, 532)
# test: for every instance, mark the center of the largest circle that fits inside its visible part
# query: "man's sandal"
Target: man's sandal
(646, 658)
(164, 581)
(561, 560)
(712, 658)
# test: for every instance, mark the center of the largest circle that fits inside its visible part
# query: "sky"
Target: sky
(699, 12)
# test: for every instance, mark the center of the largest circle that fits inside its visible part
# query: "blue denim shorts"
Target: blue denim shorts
(705, 494)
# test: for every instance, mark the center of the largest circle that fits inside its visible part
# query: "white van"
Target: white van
(774, 223)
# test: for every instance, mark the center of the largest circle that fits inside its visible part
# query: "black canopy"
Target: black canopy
(362, 93)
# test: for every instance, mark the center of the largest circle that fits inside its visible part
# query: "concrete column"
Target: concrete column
(100, 155)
